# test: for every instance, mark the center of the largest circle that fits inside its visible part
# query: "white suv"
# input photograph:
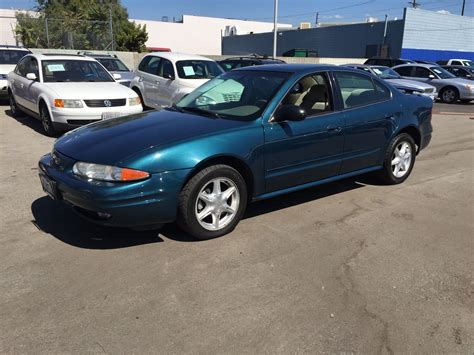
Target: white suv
(162, 78)
(67, 91)
(9, 56)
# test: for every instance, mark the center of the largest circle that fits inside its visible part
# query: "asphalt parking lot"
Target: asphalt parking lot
(351, 266)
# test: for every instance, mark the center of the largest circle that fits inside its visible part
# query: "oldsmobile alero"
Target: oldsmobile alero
(247, 135)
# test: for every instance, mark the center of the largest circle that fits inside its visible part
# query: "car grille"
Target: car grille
(429, 91)
(3, 76)
(106, 103)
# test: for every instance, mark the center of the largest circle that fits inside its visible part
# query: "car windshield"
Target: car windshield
(71, 70)
(468, 63)
(112, 64)
(442, 73)
(236, 95)
(11, 56)
(386, 73)
(198, 69)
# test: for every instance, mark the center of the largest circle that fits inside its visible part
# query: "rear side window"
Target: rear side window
(456, 62)
(358, 90)
(403, 71)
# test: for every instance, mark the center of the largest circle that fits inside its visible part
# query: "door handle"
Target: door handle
(157, 82)
(389, 117)
(140, 79)
(333, 128)
(21, 85)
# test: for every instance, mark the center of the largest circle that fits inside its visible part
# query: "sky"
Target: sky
(290, 11)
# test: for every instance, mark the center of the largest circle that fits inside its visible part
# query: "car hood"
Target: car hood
(6, 68)
(409, 84)
(90, 90)
(112, 141)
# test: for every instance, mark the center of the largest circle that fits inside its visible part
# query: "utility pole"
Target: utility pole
(275, 29)
(414, 4)
(385, 30)
(111, 28)
(47, 30)
(317, 18)
(463, 5)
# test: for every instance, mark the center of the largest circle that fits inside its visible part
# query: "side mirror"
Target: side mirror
(31, 76)
(169, 76)
(289, 113)
(117, 76)
(431, 76)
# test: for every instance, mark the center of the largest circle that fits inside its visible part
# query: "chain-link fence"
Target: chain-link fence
(64, 33)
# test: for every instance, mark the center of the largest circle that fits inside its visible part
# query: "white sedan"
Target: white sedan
(67, 91)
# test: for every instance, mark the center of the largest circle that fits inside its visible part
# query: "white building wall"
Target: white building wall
(198, 35)
(7, 26)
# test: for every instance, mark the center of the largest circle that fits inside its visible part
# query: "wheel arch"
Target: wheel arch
(415, 133)
(44, 100)
(235, 162)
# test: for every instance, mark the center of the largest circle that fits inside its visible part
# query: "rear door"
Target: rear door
(148, 76)
(370, 116)
(19, 81)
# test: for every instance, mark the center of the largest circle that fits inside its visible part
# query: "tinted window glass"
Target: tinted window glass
(144, 63)
(112, 64)
(456, 62)
(166, 69)
(22, 66)
(198, 69)
(404, 71)
(383, 93)
(152, 66)
(442, 73)
(11, 56)
(421, 72)
(356, 90)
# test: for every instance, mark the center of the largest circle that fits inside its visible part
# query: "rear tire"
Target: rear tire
(399, 160)
(449, 95)
(46, 122)
(213, 202)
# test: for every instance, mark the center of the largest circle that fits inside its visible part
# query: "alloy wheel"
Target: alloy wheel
(401, 159)
(449, 95)
(45, 119)
(217, 204)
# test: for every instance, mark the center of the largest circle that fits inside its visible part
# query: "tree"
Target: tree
(80, 24)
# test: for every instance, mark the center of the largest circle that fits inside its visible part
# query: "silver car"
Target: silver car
(392, 77)
(114, 66)
(450, 88)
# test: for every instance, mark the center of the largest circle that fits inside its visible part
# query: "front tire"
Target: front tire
(15, 111)
(46, 122)
(449, 95)
(399, 160)
(213, 202)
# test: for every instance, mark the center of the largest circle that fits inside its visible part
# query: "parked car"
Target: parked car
(162, 78)
(450, 88)
(250, 134)
(424, 62)
(67, 91)
(460, 71)
(114, 65)
(462, 62)
(387, 62)
(392, 77)
(9, 56)
(240, 62)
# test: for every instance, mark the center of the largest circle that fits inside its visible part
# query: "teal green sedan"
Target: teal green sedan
(249, 134)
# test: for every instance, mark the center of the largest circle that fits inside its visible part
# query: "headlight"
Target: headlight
(469, 87)
(67, 103)
(107, 172)
(133, 101)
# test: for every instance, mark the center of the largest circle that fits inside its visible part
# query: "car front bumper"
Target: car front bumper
(133, 204)
(79, 116)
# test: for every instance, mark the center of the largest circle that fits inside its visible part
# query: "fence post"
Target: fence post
(111, 28)
(47, 31)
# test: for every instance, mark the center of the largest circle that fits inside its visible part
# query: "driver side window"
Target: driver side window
(22, 67)
(312, 93)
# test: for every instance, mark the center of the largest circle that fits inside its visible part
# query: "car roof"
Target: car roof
(13, 48)
(174, 56)
(296, 68)
(416, 65)
(59, 56)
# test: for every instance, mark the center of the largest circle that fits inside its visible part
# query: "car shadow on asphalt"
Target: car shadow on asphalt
(60, 221)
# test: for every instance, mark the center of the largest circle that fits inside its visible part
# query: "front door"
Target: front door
(299, 152)
(149, 78)
(167, 86)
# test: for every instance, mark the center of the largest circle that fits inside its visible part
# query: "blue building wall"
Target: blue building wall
(343, 41)
(421, 34)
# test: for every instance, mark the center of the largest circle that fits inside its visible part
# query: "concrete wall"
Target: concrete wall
(433, 36)
(342, 41)
(197, 34)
